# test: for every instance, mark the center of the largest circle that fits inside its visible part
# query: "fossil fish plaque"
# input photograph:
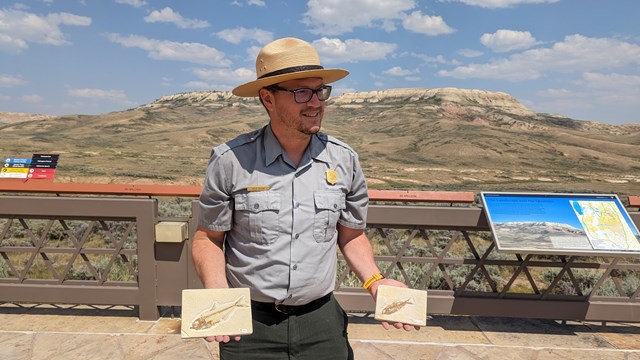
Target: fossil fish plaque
(403, 305)
(210, 312)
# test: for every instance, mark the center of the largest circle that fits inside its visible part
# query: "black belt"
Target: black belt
(291, 309)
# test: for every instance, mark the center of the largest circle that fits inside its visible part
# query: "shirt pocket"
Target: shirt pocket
(328, 205)
(257, 213)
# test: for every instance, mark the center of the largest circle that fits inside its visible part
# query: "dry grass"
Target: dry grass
(403, 144)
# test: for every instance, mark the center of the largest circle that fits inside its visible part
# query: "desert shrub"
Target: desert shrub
(175, 207)
(118, 272)
(585, 279)
(4, 269)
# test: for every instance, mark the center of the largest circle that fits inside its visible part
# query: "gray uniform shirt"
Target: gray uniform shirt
(281, 220)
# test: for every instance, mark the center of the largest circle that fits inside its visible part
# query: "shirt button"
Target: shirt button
(335, 206)
(256, 206)
(296, 205)
(295, 267)
(290, 296)
(296, 236)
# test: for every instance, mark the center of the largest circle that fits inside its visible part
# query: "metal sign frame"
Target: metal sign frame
(560, 224)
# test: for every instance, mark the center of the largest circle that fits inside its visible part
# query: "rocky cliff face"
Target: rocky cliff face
(393, 97)
(13, 117)
(437, 97)
(467, 105)
(215, 99)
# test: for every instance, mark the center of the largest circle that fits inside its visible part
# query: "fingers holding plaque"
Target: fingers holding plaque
(403, 305)
(210, 312)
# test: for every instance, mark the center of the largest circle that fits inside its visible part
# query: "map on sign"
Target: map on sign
(544, 223)
(605, 225)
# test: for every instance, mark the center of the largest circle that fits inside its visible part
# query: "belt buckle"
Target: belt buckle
(284, 309)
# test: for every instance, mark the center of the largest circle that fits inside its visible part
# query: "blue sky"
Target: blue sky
(579, 58)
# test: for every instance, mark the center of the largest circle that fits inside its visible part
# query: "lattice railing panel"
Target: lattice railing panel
(68, 250)
(468, 264)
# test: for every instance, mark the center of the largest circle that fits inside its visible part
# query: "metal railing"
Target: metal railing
(96, 244)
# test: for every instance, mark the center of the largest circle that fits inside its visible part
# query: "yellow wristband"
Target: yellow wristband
(371, 280)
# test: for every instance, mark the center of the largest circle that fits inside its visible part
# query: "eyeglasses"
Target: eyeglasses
(304, 95)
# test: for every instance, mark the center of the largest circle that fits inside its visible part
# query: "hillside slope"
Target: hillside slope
(406, 138)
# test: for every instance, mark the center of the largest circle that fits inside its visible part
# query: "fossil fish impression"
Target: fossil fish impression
(217, 314)
(396, 306)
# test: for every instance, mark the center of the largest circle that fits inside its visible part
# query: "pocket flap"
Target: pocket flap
(329, 200)
(258, 201)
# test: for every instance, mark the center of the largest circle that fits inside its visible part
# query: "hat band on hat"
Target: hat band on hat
(292, 70)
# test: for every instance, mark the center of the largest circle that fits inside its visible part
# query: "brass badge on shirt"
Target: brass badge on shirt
(332, 177)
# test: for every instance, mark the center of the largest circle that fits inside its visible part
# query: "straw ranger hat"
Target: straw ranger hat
(287, 59)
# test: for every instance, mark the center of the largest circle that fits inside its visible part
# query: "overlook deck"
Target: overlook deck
(113, 333)
(492, 318)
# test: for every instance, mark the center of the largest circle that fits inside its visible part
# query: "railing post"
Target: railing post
(147, 301)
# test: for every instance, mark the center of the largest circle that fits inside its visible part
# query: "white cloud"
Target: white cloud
(203, 85)
(335, 17)
(220, 79)
(425, 24)
(576, 53)
(260, 3)
(169, 16)
(591, 104)
(337, 90)
(612, 81)
(68, 19)
(399, 71)
(239, 34)
(12, 45)
(10, 81)
(413, 78)
(32, 99)
(593, 96)
(18, 28)
(495, 4)
(237, 76)
(134, 3)
(508, 40)
(99, 94)
(613, 88)
(438, 59)
(470, 53)
(335, 51)
(168, 50)
(555, 93)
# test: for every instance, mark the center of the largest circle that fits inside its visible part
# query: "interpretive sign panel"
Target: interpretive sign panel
(567, 224)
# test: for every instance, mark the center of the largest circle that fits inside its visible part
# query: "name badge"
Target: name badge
(258, 188)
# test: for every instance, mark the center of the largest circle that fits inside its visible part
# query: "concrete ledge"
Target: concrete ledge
(171, 232)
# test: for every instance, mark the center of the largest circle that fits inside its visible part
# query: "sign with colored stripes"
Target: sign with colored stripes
(39, 166)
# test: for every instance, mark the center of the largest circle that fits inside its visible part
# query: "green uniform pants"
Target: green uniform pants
(320, 333)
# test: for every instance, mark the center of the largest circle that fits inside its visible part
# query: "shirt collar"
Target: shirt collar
(272, 148)
(317, 148)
